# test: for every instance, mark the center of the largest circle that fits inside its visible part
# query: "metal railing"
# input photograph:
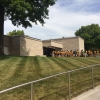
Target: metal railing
(68, 72)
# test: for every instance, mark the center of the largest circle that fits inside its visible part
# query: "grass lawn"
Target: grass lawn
(18, 70)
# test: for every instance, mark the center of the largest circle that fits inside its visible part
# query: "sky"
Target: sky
(65, 17)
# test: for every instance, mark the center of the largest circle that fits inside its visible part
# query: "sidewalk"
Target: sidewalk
(93, 94)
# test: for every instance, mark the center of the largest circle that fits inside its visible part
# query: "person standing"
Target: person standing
(75, 53)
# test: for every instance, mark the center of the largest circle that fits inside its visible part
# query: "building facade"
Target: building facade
(22, 46)
(71, 43)
(28, 46)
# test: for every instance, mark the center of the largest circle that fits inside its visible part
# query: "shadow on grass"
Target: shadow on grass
(17, 76)
(84, 61)
(37, 67)
(63, 93)
(59, 63)
(57, 95)
(4, 57)
(69, 62)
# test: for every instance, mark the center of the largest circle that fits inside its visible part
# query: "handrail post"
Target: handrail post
(31, 91)
(92, 72)
(69, 85)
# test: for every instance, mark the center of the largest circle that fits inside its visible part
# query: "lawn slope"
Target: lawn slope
(18, 70)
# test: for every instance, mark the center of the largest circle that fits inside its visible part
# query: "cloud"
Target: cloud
(80, 5)
(65, 17)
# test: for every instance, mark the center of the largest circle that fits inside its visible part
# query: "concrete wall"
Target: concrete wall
(56, 44)
(71, 43)
(22, 46)
(30, 46)
(46, 43)
(51, 43)
(26, 46)
(81, 44)
(6, 45)
(15, 46)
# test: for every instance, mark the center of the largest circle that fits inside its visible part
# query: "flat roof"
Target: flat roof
(67, 38)
(24, 37)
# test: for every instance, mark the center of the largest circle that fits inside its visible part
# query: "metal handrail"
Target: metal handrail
(68, 72)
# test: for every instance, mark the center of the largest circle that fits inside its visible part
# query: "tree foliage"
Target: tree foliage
(91, 35)
(23, 12)
(16, 33)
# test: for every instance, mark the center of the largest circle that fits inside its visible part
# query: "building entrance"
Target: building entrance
(47, 51)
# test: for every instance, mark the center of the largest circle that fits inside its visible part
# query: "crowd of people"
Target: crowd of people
(75, 53)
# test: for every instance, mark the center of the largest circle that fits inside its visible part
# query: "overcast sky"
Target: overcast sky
(65, 17)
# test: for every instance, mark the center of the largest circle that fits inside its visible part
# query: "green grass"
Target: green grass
(18, 70)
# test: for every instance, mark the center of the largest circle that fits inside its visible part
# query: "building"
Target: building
(71, 43)
(22, 46)
(28, 46)
(51, 45)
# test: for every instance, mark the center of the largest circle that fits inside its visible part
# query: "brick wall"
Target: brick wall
(26, 46)
(7, 44)
(46, 43)
(81, 44)
(51, 43)
(23, 46)
(71, 43)
(30, 46)
(15, 46)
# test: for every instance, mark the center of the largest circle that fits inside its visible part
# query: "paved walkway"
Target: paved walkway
(93, 94)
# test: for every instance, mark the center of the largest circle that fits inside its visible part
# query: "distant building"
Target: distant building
(28, 46)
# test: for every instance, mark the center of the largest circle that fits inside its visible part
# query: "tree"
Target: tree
(17, 33)
(91, 35)
(23, 12)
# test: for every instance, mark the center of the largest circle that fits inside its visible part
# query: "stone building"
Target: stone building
(28, 46)
(71, 43)
(50, 45)
(22, 46)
